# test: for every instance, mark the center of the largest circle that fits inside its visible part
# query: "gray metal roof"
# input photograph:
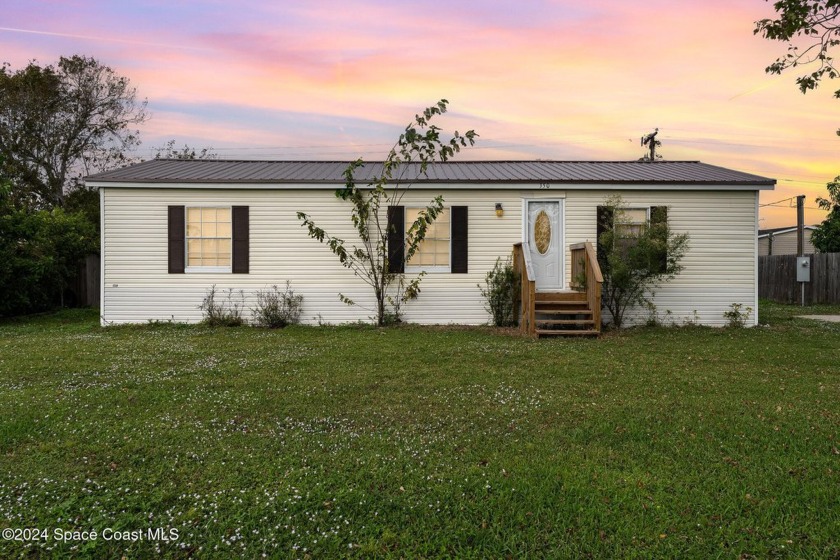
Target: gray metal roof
(766, 232)
(595, 172)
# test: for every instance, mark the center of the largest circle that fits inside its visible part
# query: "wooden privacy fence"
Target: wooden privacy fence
(85, 287)
(777, 279)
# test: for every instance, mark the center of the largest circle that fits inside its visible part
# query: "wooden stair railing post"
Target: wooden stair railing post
(519, 268)
(522, 256)
(594, 279)
(532, 319)
(578, 266)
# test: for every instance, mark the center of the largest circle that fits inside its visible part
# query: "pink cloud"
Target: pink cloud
(535, 78)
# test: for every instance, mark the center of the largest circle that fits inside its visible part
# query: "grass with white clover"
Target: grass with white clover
(422, 442)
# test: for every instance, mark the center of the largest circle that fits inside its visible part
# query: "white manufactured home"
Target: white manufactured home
(171, 229)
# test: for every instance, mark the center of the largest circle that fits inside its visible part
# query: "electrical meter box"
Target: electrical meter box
(803, 269)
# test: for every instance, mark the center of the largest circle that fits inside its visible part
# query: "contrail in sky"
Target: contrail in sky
(105, 39)
(754, 90)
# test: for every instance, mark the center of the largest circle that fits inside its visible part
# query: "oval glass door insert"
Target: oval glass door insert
(542, 232)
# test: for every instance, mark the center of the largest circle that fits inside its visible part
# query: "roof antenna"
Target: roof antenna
(652, 143)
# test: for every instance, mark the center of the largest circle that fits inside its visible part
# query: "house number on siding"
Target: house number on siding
(545, 185)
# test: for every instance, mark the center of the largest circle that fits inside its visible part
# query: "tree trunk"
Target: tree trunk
(380, 312)
(380, 305)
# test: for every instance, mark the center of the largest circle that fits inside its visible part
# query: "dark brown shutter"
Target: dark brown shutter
(658, 215)
(460, 235)
(396, 239)
(604, 223)
(659, 224)
(177, 243)
(241, 250)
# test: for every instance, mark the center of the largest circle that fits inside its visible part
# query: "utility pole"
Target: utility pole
(802, 265)
(800, 225)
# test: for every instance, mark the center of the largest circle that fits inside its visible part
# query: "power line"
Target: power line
(806, 182)
(777, 202)
(790, 205)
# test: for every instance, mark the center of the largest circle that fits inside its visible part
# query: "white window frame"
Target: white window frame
(646, 223)
(433, 269)
(187, 238)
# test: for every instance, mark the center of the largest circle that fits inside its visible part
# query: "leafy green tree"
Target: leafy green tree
(815, 21)
(60, 122)
(418, 146)
(826, 238)
(39, 254)
(169, 151)
(40, 251)
(85, 200)
(635, 260)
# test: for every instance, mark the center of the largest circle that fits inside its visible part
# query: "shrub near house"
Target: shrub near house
(636, 255)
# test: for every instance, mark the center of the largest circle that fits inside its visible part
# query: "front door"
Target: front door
(545, 236)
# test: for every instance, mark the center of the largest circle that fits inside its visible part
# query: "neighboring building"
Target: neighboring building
(171, 229)
(782, 241)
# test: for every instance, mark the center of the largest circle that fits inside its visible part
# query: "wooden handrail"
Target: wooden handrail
(592, 256)
(590, 273)
(586, 277)
(593, 259)
(528, 294)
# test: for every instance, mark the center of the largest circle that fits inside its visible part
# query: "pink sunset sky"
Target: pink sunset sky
(536, 79)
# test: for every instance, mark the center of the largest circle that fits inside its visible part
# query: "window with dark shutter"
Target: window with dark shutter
(209, 239)
(177, 232)
(241, 238)
(396, 239)
(604, 222)
(460, 236)
(659, 228)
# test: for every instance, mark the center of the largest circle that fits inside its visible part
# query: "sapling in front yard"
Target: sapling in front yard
(373, 204)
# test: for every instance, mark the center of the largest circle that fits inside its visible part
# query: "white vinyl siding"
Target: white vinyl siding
(719, 267)
(137, 286)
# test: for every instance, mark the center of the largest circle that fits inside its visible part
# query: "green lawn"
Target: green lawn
(421, 442)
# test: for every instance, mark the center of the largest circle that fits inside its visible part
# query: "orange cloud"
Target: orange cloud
(548, 79)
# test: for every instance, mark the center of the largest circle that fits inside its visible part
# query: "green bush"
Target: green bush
(278, 308)
(220, 312)
(501, 293)
(634, 262)
(738, 315)
(40, 252)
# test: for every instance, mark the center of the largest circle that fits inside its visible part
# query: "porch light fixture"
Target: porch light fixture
(499, 210)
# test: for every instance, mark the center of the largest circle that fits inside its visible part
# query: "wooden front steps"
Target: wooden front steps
(568, 313)
(563, 314)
